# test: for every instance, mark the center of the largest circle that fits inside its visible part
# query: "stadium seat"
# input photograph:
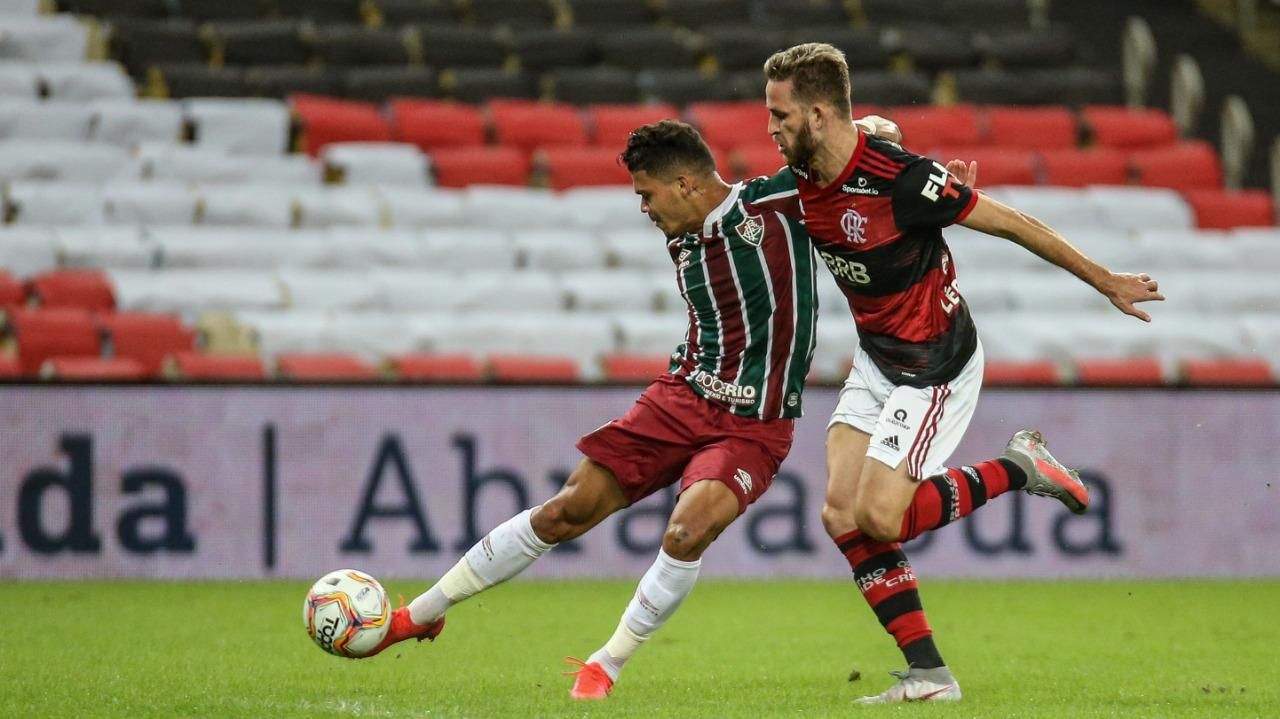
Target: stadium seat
(482, 84)
(709, 14)
(144, 43)
(412, 207)
(199, 366)
(146, 338)
(10, 369)
(1129, 128)
(1077, 168)
(742, 47)
(246, 204)
(86, 81)
(396, 13)
(321, 12)
(281, 81)
(259, 42)
(890, 88)
(729, 125)
(504, 13)
(20, 80)
(748, 162)
(217, 169)
(460, 47)
(633, 368)
(1021, 48)
(1001, 87)
(12, 293)
(934, 126)
(627, 290)
(376, 163)
(1188, 165)
(684, 86)
(149, 203)
(527, 125)
(864, 48)
(532, 369)
(46, 120)
(541, 49)
(190, 291)
(327, 120)
(115, 247)
(1226, 372)
(80, 289)
(610, 125)
(207, 10)
(932, 47)
(582, 85)
(996, 165)
(1128, 372)
(1034, 128)
(461, 166)
(323, 366)
(650, 48)
(45, 333)
(435, 367)
(610, 13)
(47, 203)
(348, 46)
(335, 206)
(583, 166)
(128, 123)
(197, 80)
(432, 124)
(1139, 208)
(64, 161)
(92, 369)
(791, 14)
(240, 126)
(116, 8)
(1013, 373)
(1231, 208)
(44, 38)
(378, 84)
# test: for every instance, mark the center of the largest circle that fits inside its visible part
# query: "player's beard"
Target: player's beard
(802, 150)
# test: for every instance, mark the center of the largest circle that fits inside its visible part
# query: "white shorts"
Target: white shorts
(922, 425)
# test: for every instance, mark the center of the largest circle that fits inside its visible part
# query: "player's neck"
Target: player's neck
(834, 153)
(712, 196)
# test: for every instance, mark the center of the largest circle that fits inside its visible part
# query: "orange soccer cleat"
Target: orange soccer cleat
(591, 682)
(403, 627)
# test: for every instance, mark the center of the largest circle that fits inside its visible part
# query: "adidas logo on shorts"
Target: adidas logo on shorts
(891, 442)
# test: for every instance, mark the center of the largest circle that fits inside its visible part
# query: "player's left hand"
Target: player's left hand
(964, 174)
(1125, 290)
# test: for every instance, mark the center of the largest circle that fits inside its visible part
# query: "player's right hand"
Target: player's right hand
(965, 174)
(1124, 290)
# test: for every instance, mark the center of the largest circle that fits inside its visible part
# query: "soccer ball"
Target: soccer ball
(347, 613)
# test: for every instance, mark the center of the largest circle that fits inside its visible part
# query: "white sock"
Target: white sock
(505, 552)
(660, 593)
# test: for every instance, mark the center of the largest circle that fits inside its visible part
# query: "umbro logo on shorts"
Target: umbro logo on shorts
(744, 481)
(891, 442)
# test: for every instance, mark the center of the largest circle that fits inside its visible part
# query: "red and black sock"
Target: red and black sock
(886, 581)
(957, 492)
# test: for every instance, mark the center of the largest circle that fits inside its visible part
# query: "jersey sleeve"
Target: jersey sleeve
(926, 195)
(777, 193)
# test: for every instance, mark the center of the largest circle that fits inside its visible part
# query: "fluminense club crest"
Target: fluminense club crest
(751, 229)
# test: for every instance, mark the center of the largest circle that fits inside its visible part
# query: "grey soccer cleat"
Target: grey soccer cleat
(918, 685)
(1046, 477)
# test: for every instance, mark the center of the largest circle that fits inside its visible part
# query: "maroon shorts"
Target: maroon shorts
(671, 434)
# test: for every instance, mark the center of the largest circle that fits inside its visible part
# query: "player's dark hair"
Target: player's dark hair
(818, 72)
(667, 148)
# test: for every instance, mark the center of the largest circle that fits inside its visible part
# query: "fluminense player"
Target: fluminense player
(875, 213)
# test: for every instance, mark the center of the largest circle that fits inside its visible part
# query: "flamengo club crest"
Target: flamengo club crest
(751, 229)
(853, 225)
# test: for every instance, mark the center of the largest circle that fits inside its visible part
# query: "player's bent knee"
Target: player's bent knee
(687, 541)
(877, 524)
(556, 521)
(838, 520)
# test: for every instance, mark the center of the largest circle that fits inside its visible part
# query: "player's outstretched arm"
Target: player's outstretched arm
(1123, 289)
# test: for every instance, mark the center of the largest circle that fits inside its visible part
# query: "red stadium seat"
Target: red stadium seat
(1221, 209)
(926, 126)
(45, 333)
(10, 368)
(1031, 127)
(1128, 127)
(528, 125)
(436, 367)
(1077, 168)
(11, 291)
(579, 166)
(1011, 373)
(430, 124)
(532, 369)
(751, 162)
(1129, 372)
(323, 366)
(996, 165)
(1188, 165)
(327, 120)
(731, 124)
(611, 124)
(1227, 372)
(83, 289)
(214, 367)
(92, 369)
(147, 338)
(624, 367)
(461, 166)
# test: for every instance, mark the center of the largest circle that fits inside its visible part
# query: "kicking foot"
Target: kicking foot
(590, 681)
(918, 685)
(1046, 477)
(403, 627)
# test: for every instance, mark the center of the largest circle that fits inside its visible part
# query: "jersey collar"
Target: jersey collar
(708, 225)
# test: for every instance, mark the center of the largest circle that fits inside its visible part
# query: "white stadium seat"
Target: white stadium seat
(371, 163)
(345, 289)
(48, 38)
(253, 248)
(614, 290)
(1054, 206)
(404, 290)
(241, 126)
(288, 330)
(330, 206)
(377, 334)
(583, 337)
(1135, 208)
(167, 161)
(637, 248)
(460, 248)
(44, 120)
(192, 291)
(420, 207)
(604, 208)
(132, 122)
(559, 249)
(28, 250)
(149, 203)
(20, 8)
(114, 247)
(249, 204)
(86, 81)
(518, 291)
(650, 332)
(64, 161)
(49, 203)
(19, 80)
(516, 207)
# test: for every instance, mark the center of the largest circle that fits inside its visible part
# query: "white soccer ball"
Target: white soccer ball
(347, 613)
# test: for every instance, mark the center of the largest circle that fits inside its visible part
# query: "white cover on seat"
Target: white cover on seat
(523, 292)
(247, 205)
(106, 247)
(330, 206)
(1230, 292)
(374, 335)
(582, 337)
(63, 161)
(48, 203)
(131, 122)
(206, 165)
(28, 250)
(252, 248)
(372, 163)
(19, 80)
(518, 207)
(986, 291)
(241, 126)
(288, 330)
(1258, 250)
(604, 208)
(192, 291)
(418, 290)
(45, 38)
(1261, 336)
(19, 8)
(86, 81)
(638, 248)
(1182, 250)
(1049, 290)
(655, 333)
(418, 207)
(149, 203)
(44, 120)
(461, 248)
(1055, 206)
(559, 249)
(617, 290)
(344, 289)
(1135, 208)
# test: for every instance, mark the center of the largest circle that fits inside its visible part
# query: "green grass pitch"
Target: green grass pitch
(735, 649)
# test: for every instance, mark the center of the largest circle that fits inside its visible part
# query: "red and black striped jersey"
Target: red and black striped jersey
(878, 228)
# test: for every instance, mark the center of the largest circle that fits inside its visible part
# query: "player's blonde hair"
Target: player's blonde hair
(818, 71)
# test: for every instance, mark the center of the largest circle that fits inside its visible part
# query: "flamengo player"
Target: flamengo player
(875, 213)
(723, 412)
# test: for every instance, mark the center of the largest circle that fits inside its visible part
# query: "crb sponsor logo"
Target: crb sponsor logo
(861, 187)
(722, 391)
(845, 271)
(326, 633)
